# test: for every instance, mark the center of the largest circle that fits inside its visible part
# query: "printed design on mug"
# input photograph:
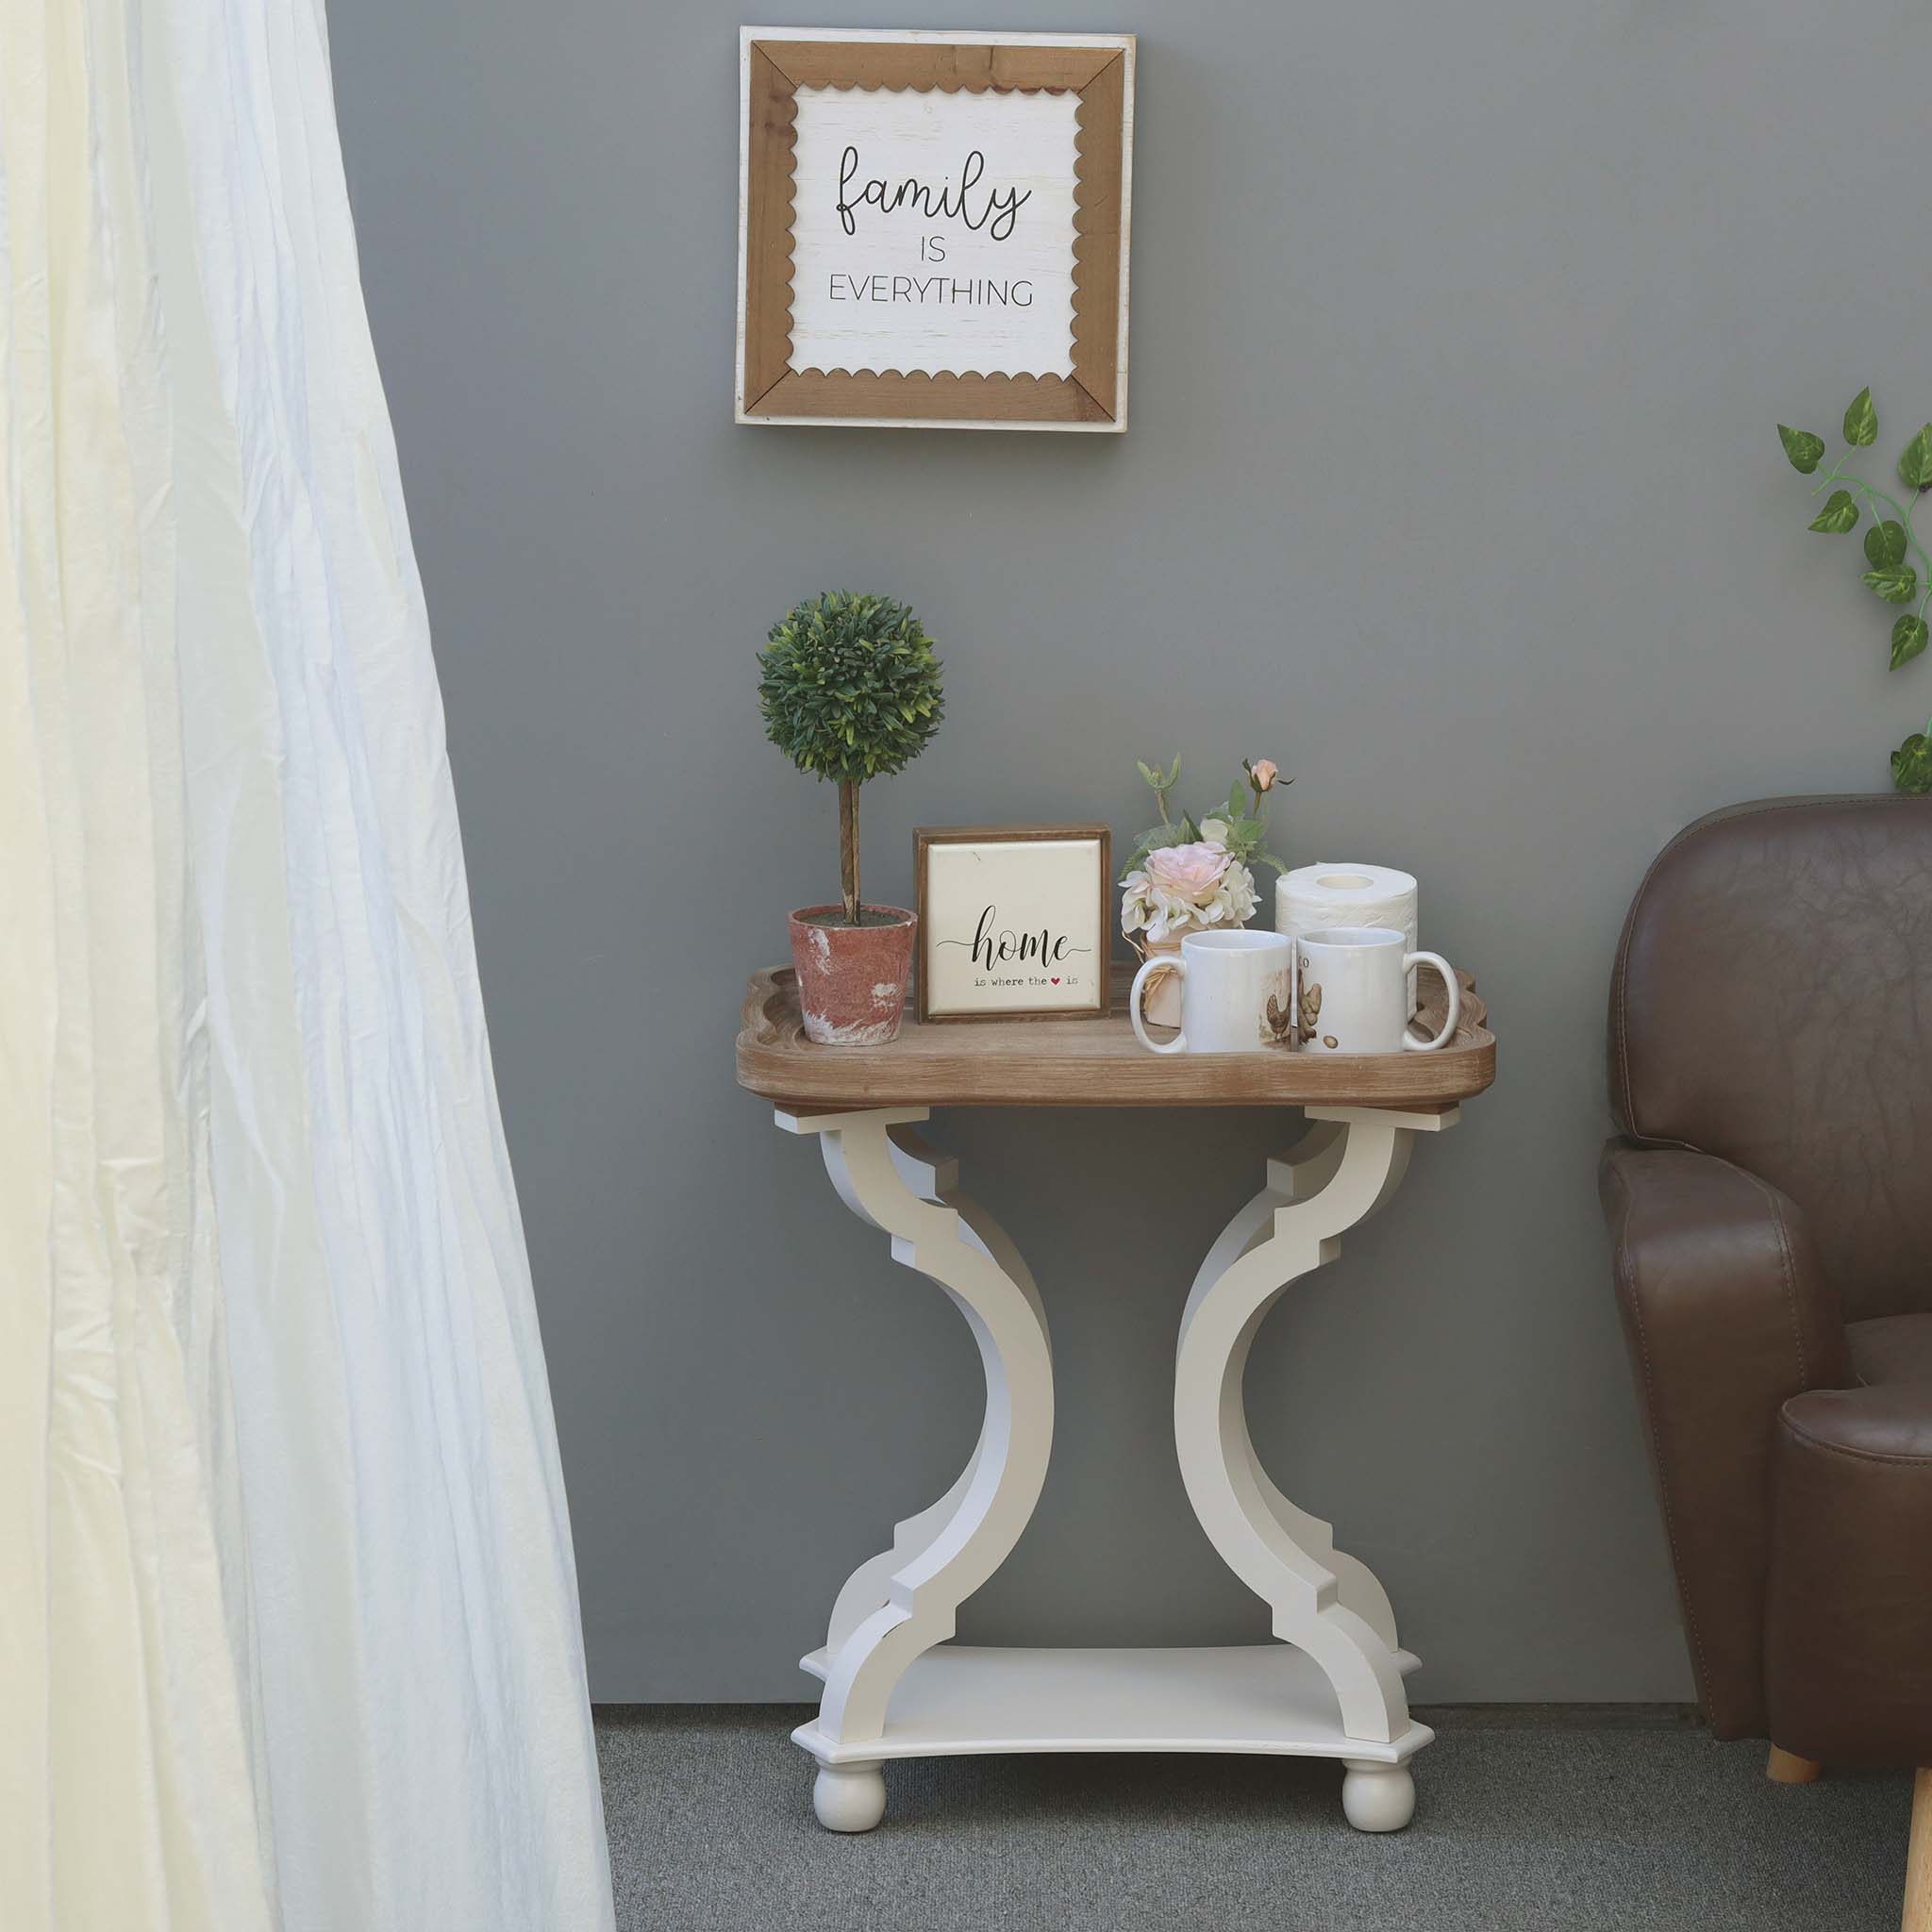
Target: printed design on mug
(1310, 1004)
(1277, 1026)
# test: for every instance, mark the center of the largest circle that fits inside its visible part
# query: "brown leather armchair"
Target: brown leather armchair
(1770, 1205)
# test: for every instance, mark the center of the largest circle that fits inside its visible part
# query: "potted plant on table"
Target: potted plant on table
(1187, 876)
(850, 691)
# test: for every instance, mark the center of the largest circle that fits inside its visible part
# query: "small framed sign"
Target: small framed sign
(1013, 922)
(933, 228)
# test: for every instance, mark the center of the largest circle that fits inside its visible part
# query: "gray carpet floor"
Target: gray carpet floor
(1522, 1820)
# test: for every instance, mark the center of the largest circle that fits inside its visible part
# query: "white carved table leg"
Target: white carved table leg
(898, 1605)
(1322, 1601)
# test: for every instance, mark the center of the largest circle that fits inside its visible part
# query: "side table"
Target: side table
(895, 1684)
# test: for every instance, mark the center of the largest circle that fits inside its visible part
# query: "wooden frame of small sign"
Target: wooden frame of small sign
(933, 228)
(1015, 921)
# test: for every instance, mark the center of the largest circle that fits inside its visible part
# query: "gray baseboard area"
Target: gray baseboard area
(1609, 1717)
(1557, 1717)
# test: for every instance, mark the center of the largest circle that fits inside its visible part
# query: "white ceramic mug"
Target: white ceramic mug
(1237, 992)
(1351, 991)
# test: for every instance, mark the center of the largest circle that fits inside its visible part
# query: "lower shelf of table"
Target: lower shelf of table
(1268, 1699)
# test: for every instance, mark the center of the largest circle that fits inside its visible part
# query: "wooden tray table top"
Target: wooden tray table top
(1092, 1062)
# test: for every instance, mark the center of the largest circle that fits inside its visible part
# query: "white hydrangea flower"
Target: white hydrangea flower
(1234, 900)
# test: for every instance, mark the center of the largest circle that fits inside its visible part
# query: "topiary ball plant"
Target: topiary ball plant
(849, 690)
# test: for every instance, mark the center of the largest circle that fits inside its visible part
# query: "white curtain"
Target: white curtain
(288, 1632)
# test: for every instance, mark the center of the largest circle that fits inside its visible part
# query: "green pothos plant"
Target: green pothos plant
(1891, 547)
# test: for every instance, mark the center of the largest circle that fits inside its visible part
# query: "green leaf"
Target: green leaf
(1840, 513)
(1804, 449)
(1861, 420)
(1885, 545)
(1915, 462)
(1908, 636)
(1236, 799)
(1896, 586)
(1911, 765)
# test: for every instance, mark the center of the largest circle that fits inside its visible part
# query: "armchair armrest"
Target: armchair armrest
(1728, 1314)
(1848, 1643)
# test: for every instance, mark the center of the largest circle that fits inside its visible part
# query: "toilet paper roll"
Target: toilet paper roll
(1314, 896)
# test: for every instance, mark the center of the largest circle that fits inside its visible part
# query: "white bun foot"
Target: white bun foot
(849, 1797)
(1377, 1797)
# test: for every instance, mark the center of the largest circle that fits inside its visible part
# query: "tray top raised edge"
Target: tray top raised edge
(1089, 1062)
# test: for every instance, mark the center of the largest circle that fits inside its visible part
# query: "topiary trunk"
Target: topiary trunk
(848, 847)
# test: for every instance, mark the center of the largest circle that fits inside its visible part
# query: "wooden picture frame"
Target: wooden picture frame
(1080, 220)
(1040, 940)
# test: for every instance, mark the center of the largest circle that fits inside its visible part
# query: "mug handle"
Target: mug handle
(1178, 964)
(1411, 1045)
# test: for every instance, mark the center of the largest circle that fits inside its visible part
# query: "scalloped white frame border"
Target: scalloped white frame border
(951, 37)
(1064, 99)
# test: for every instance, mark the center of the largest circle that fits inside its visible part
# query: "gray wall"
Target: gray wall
(1458, 335)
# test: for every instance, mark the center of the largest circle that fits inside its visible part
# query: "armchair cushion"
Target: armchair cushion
(1895, 1348)
(1848, 1643)
(1728, 1314)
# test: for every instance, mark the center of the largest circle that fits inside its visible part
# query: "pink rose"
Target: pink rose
(1188, 872)
(1265, 771)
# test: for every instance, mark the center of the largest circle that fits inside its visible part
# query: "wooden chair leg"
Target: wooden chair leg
(1918, 1912)
(1787, 1768)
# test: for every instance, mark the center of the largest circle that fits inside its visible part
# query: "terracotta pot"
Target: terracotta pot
(852, 978)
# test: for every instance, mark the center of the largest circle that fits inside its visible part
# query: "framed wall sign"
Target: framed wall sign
(1013, 922)
(933, 228)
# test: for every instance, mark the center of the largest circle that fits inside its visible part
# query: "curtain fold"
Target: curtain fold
(288, 1631)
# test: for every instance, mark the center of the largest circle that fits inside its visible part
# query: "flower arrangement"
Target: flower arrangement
(1187, 888)
(1187, 875)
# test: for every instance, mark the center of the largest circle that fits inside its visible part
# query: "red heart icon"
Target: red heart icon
(1055, 979)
